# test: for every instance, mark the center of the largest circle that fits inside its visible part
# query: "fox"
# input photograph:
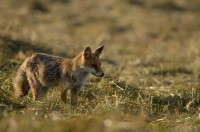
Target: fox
(41, 71)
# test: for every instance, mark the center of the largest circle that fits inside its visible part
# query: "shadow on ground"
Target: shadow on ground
(10, 46)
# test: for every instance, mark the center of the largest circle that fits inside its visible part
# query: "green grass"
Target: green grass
(151, 61)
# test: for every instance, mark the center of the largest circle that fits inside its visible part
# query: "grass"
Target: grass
(151, 61)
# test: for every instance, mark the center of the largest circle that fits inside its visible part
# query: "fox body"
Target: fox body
(40, 71)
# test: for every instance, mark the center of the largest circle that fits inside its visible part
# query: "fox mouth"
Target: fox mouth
(98, 74)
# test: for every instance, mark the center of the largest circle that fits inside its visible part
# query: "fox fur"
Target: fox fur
(40, 71)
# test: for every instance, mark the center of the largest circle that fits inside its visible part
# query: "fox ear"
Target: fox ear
(87, 52)
(99, 50)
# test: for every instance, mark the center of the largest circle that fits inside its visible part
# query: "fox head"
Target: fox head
(91, 61)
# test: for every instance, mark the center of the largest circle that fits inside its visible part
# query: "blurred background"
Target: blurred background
(134, 32)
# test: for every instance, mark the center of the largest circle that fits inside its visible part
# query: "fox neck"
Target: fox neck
(80, 72)
(75, 70)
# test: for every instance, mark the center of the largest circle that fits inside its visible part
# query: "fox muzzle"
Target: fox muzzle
(98, 74)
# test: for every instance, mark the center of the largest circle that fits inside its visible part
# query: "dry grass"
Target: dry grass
(151, 61)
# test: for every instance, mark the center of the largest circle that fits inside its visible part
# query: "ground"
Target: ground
(151, 61)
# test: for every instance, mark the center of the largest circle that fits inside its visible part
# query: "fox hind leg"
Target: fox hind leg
(33, 88)
(37, 89)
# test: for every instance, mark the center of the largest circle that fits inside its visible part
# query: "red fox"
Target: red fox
(40, 71)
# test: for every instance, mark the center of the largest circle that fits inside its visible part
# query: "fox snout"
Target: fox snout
(98, 74)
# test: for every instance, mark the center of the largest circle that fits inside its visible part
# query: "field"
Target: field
(151, 63)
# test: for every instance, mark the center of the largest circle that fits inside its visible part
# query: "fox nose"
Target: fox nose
(102, 74)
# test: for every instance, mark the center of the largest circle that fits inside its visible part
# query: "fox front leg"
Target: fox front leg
(74, 95)
(64, 94)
